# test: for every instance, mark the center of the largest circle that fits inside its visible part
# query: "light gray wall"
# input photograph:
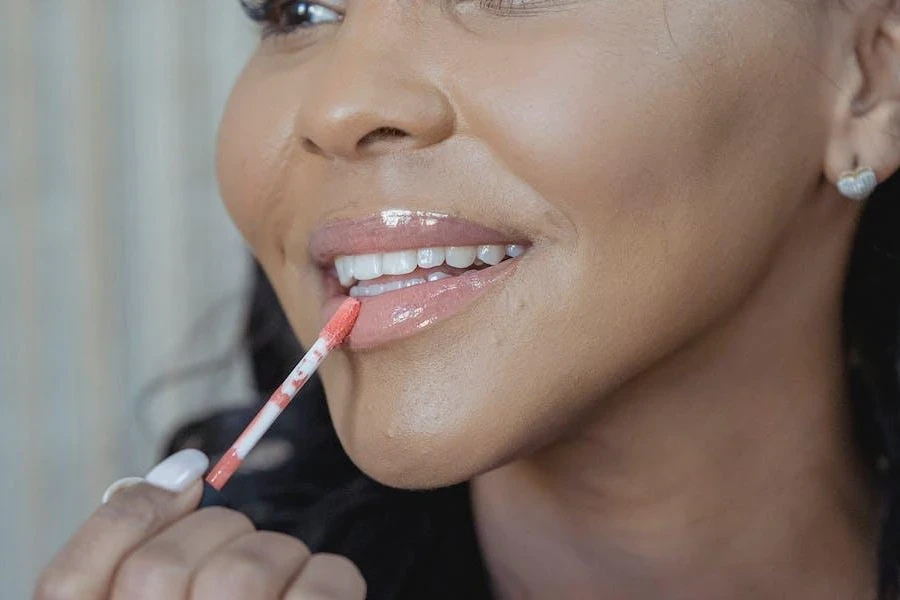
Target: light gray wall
(117, 262)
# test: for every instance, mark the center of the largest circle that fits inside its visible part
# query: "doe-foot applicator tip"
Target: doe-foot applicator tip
(339, 326)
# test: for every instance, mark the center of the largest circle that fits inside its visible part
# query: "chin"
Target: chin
(421, 440)
(390, 463)
(409, 420)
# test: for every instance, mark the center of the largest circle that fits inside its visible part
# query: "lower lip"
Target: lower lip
(403, 313)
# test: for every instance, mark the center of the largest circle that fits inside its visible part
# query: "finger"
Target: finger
(258, 565)
(164, 565)
(84, 567)
(328, 576)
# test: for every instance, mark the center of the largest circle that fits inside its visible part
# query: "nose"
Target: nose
(367, 103)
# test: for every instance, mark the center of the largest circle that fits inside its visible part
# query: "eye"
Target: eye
(285, 16)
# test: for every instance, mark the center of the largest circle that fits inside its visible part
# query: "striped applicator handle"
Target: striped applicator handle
(333, 335)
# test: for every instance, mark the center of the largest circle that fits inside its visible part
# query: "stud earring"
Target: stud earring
(857, 184)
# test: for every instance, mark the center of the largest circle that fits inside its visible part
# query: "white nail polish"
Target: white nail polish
(119, 485)
(179, 471)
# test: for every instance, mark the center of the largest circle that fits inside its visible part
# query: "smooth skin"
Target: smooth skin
(653, 407)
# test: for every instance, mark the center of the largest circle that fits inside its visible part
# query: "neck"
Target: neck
(728, 470)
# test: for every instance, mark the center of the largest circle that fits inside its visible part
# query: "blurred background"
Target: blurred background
(118, 266)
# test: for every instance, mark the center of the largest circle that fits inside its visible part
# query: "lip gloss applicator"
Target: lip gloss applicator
(333, 335)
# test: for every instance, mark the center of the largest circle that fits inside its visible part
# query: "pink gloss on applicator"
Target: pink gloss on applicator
(333, 335)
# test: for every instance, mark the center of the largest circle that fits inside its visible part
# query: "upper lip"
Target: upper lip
(394, 230)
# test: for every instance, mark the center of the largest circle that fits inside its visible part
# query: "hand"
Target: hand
(148, 543)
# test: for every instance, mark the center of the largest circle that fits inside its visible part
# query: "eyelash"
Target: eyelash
(272, 14)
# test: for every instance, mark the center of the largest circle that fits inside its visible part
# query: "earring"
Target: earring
(857, 184)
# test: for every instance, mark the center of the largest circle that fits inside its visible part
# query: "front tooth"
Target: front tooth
(431, 257)
(514, 250)
(438, 276)
(344, 268)
(461, 257)
(363, 291)
(414, 281)
(492, 255)
(374, 289)
(367, 266)
(390, 287)
(399, 263)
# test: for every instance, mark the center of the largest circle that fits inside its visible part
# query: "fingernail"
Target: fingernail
(179, 471)
(119, 485)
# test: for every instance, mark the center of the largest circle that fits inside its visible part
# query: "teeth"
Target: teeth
(376, 289)
(461, 257)
(367, 266)
(491, 255)
(430, 257)
(399, 263)
(390, 287)
(438, 276)
(399, 285)
(344, 266)
(514, 250)
(358, 291)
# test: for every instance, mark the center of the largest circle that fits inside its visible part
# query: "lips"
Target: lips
(401, 313)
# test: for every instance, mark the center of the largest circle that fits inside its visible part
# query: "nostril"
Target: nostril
(382, 134)
(376, 140)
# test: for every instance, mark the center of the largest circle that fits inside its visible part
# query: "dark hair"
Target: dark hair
(871, 326)
(422, 544)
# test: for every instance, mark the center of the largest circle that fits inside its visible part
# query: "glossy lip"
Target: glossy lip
(402, 313)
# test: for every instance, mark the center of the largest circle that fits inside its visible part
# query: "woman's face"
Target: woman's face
(636, 148)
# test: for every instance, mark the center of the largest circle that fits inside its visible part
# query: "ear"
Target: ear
(866, 127)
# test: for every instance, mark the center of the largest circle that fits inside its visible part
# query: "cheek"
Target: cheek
(667, 173)
(255, 139)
